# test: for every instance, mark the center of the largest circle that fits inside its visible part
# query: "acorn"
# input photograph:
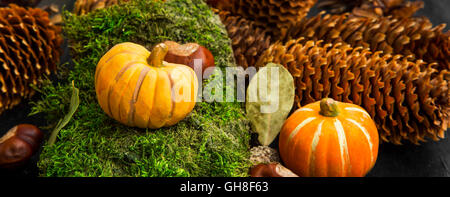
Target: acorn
(18, 145)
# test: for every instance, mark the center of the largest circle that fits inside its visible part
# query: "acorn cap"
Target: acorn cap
(29, 50)
(408, 99)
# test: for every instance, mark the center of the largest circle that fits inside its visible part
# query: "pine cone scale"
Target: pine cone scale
(277, 16)
(373, 8)
(29, 49)
(414, 36)
(247, 39)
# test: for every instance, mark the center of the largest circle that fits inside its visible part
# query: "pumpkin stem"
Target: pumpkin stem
(329, 108)
(158, 54)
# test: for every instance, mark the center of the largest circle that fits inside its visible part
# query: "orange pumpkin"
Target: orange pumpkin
(329, 139)
(137, 88)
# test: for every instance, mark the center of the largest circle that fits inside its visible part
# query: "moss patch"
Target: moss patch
(212, 141)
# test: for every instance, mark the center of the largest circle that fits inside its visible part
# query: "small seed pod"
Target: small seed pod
(264, 155)
(271, 170)
(18, 145)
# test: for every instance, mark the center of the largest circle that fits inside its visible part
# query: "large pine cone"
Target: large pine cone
(373, 8)
(276, 15)
(408, 100)
(29, 50)
(408, 36)
(248, 40)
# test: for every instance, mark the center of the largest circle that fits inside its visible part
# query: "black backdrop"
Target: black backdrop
(431, 159)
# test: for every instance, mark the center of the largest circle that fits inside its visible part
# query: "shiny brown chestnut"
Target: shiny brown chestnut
(18, 145)
(186, 54)
(271, 170)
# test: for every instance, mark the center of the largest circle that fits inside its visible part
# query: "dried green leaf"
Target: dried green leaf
(270, 97)
(74, 103)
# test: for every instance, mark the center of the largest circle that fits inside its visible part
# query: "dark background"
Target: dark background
(431, 159)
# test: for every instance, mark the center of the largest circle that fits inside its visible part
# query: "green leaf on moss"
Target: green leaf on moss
(74, 103)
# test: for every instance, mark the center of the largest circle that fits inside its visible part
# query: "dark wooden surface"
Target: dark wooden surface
(431, 159)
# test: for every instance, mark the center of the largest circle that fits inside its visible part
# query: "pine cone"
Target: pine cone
(373, 8)
(408, 100)
(409, 36)
(248, 40)
(85, 6)
(276, 15)
(25, 3)
(29, 49)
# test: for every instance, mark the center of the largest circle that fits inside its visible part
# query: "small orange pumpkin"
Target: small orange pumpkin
(329, 139)
(137, 88)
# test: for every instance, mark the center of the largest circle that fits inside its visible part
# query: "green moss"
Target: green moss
(212, 141)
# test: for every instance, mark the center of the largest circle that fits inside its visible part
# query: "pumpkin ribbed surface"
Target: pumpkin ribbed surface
(137, 93)
(314, 145)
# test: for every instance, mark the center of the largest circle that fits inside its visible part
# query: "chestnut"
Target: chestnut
(271, 170)
(18, 145)
(186, 54)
